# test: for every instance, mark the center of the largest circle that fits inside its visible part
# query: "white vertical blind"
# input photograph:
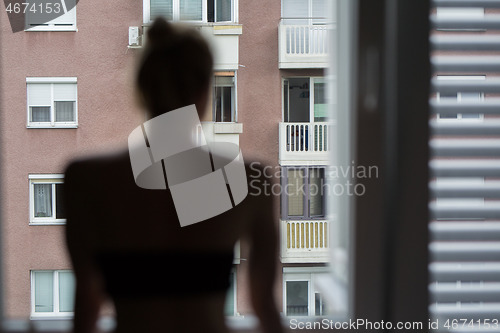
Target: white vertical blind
(465, 206)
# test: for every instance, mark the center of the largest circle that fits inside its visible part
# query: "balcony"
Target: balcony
(305, 241)
(304, 142)
(304, 46)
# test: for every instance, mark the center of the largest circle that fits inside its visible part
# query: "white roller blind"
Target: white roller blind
(319, 10)
(44, 291)
(161, 8)
(293, 10)
(66, 291)
(64, 92)
(465, 167)
(191, 10)
(39, 94)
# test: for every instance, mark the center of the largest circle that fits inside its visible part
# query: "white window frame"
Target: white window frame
(312, 81)
(56, 313)
(52, 124)
(459, 97)
(234, 96)
(306, 198)
(44, 179)
(310, 274)
(56, 26)
(176, 12)
(310, 19)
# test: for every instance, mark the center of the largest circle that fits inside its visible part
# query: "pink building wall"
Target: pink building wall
(97, 55)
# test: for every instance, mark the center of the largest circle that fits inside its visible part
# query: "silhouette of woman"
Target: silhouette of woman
(126, 243)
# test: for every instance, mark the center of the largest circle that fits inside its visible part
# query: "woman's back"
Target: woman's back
(156, 271)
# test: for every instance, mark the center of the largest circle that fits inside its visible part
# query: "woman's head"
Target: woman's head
(175, 68)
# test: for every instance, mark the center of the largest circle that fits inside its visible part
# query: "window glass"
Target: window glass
(320, 106)
(44, 290)
(294, 191)
(318, 10)
(295, 11)
(320, 308)
(191, 10)
(43, 200)
(229, 304)
(65, 111)
(40, 113)
(297, 294)
(298, 100)
(223, 99)
(224, 10)
(66, 291)
(60, 213)
(316, 182)
(162, 8)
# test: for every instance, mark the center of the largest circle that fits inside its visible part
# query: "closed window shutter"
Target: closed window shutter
(162, 8)
(39, 94)
(465, 167)
(65, 92)
(295, 11)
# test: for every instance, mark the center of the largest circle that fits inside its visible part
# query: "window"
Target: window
(304, 12)
(52, 102)
(460, 97)
(46, 16)
(224, 97)
(230, 304)
(303, 195)
(304, 100)
(300, 294)
(46, 193)
(52, 293)
(191, 10)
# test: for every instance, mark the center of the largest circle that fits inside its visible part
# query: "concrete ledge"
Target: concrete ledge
(228, 128)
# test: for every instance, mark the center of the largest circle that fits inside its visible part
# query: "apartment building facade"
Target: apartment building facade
(67, 91)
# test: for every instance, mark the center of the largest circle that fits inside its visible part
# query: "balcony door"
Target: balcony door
(304, 100)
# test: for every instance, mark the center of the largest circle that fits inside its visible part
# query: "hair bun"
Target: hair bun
(160, 31)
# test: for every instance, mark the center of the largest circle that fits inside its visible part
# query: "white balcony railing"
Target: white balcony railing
(305, 241)
(304, 142)
(304, 46)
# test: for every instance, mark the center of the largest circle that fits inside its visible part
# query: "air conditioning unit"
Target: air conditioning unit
(133, 36)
